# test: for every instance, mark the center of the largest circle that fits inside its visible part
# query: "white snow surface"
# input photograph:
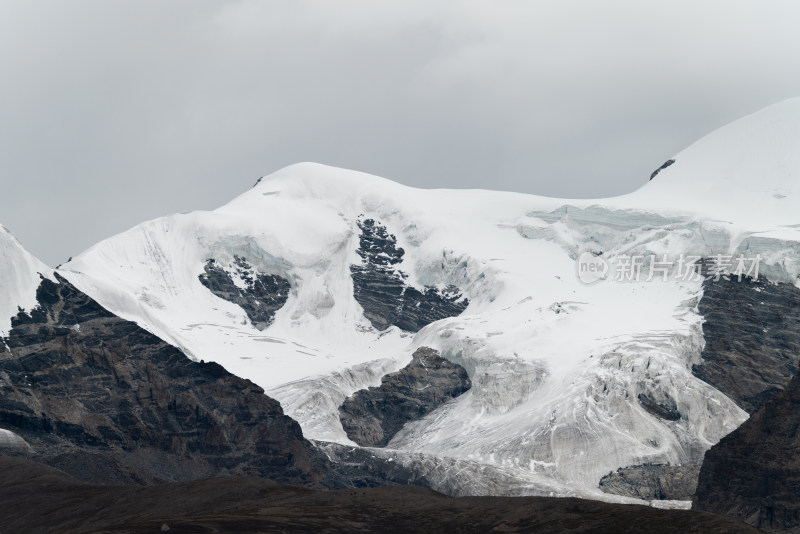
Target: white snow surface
(556, 365)
(20, 275)
(9, 441)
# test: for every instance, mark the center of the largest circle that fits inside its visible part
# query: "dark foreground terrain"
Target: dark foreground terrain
(753, 473)
(39, 498)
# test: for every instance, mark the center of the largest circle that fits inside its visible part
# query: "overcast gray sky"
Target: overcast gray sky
(114, 112)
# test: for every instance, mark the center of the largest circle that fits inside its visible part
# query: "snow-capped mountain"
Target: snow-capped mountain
(20, 275)
(319, 281)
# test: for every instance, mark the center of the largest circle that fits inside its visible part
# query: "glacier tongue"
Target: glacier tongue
(556, 390)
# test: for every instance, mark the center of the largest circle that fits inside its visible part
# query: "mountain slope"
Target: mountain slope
(570, 381)
(110, 403)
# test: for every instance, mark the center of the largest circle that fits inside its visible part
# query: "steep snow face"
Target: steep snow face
(570, 380)
(745, 174)
(20, 274)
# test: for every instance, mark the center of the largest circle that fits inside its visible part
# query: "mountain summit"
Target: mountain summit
(747, 172)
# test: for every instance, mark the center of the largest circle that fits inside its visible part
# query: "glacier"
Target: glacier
(558, 367)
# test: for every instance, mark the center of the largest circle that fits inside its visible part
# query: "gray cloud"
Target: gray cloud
(115, 112)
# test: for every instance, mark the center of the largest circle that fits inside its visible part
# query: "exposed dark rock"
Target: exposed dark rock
(363, 468)
(663, 166)
(665, 407)
(262, 296)
(109, 402)
(38, 499)
(753, 473)
(371, 417)
(381, 289)
(376, 245)
(653, 482)
(752, 334)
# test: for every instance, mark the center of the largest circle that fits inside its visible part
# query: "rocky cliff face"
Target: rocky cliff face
(752, 350)
(653, 482)
(660, 404)
(752, 334)
(381, 289)
(259, 295)
(371, 417)
(753, 473)
(108, 402)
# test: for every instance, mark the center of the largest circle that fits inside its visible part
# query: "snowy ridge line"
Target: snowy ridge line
(20, 275)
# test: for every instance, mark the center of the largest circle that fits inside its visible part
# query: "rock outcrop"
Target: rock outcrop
(653, 482)
(381, 289)
(752, 334)
(371, 417)
(108, 402)
(259, 295)
(753, 473)
(663, 166)
(664, 407)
